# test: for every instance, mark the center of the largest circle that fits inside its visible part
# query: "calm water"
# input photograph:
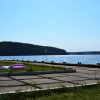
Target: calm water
(84, 59)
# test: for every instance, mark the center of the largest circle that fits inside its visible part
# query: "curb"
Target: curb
(37, 73)
(72, 86)
(70, 64)
(64, 63)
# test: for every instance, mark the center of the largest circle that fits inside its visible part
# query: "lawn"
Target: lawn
(30, 67)
(75, 93)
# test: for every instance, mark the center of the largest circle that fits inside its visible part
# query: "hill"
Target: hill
(17, 48)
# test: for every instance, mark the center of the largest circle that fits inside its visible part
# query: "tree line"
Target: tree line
(17, 48)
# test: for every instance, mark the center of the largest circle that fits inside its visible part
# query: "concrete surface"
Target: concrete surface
(83, 75)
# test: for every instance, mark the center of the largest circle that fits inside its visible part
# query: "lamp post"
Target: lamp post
(46, 54)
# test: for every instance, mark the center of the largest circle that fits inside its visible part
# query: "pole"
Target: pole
(46, 54)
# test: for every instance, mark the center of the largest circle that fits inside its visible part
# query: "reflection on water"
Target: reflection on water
(84, 59)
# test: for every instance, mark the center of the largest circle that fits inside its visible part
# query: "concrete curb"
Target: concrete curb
(36, 73)
(87, 85)
(69, 64)
(64, 63)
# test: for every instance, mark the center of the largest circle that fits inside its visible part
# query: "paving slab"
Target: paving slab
(69, 74)
(84, 71)
(13, 89)
(94, 73)
(94, 69)
(4, 78)
(69, 78)
(52, 75)
(26, 77)
(74, 74)
(86, 81)
(40, 81)
(83, 68)
(51, 85)
(11, 83)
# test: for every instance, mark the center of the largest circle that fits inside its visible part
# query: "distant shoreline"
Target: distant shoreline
(84, 53)
(30, 55)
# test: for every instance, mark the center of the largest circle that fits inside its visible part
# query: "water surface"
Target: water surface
(84, 59)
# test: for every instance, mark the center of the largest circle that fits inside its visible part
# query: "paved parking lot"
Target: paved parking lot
(83, 75)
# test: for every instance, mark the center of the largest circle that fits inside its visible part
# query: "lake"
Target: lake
(84, 59)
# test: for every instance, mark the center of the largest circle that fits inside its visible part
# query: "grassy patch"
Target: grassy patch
(30, 67)
(76, 93)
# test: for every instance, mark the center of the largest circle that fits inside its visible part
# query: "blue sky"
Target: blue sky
(73, 25)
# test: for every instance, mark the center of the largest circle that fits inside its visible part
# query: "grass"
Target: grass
(30, 67)
(75, 93)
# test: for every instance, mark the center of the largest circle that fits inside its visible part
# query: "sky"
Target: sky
(72, 25)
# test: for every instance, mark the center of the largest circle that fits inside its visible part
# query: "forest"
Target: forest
(85, 53)
(9, 48)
